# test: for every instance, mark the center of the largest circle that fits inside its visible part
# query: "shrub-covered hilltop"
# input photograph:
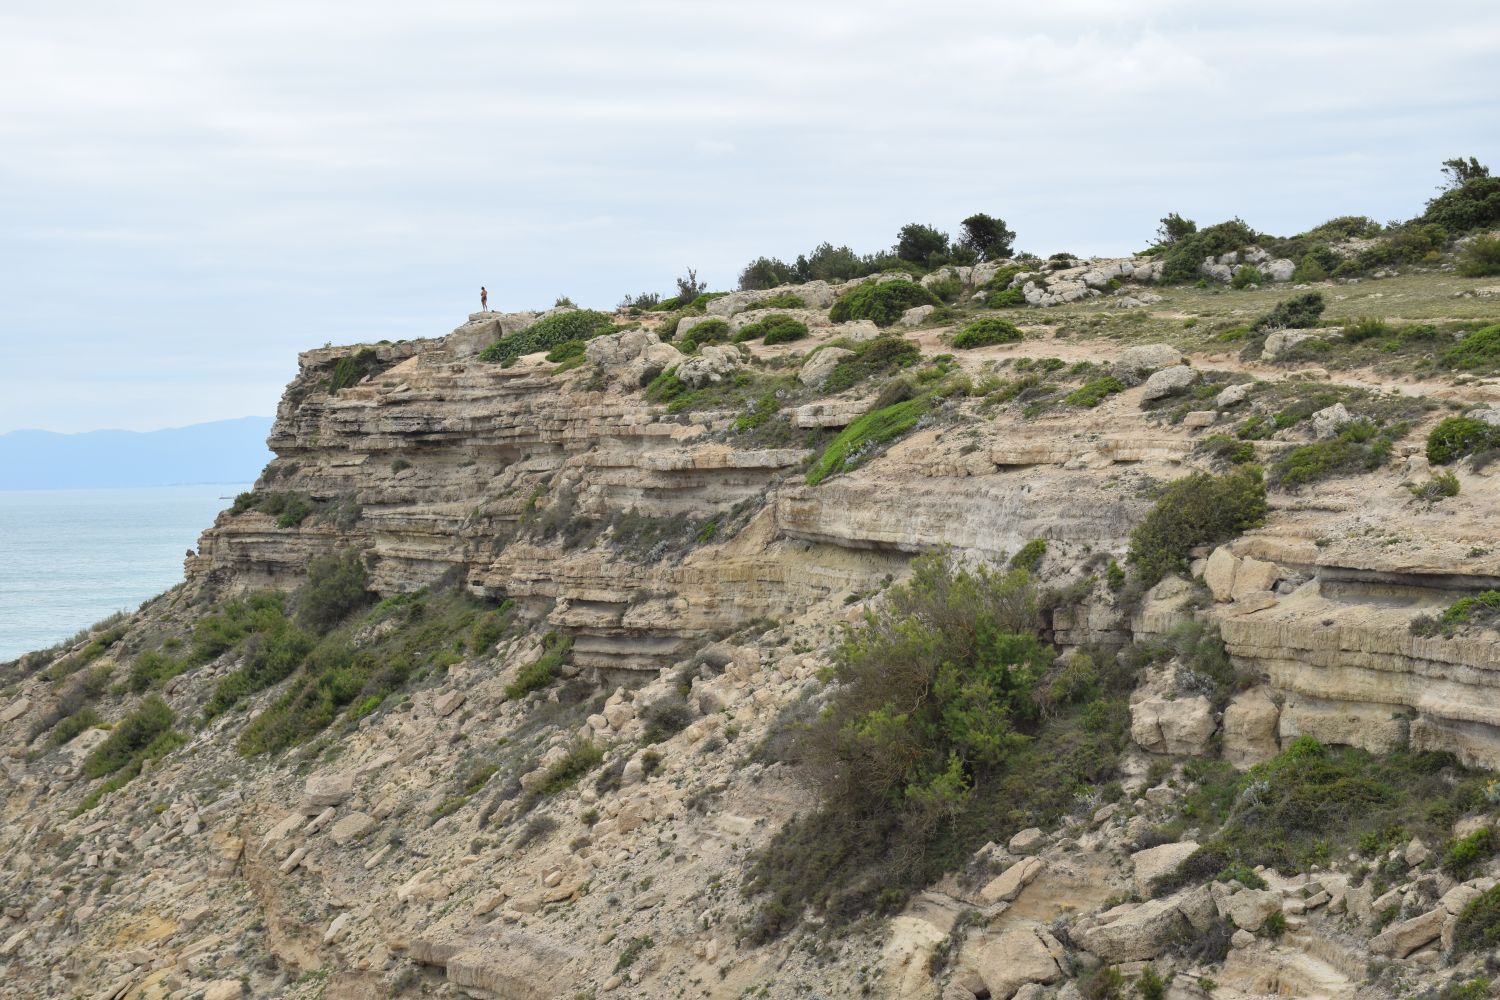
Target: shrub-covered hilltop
(943, 622)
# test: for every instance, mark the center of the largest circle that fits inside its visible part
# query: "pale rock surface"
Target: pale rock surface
(1150, 357)
(1156, 863)
(1169, 382)
(816, 369)
(1250, 722)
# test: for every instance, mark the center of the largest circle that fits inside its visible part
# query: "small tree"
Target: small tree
(1458, 171)
(689, 288)
(1173, 228)
(918, 243)
(987, 236)
(766, 272)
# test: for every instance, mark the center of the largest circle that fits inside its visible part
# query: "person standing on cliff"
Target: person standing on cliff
(484, 298)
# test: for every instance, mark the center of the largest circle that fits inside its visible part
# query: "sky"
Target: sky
(192, 193)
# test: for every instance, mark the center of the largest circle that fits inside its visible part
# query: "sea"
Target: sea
(69, 558)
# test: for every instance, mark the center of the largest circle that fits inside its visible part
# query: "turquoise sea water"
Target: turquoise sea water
(71, 557)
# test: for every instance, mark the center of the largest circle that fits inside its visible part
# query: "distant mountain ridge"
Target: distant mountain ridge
(221, 451)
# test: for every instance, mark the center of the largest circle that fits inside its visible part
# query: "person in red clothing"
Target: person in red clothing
(484, 298)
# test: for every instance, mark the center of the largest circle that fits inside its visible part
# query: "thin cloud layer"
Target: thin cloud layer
(192, 194)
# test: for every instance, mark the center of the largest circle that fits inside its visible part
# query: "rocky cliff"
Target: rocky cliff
(654, 511)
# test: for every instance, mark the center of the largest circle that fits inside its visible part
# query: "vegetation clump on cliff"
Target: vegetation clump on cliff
(1199, 509)
(881, 302)
(548, 333)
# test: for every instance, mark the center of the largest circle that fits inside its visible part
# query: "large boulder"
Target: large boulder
(1250, 723)
(1171, 725)
(1150, 357)
(1157, 863)
(1005, 887)
(816, 369)
(327, 789)
(1329, 421)
(1248, 908)
(1401, 939)
(1131, 932)
(1016, 956)
(1169, 382)
(1279, 269)
(714, 363)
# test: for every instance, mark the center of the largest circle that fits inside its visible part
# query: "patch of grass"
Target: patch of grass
(1199, 509)
(1359, 446)
(548, 333)
(542, 671)
(857, 442)
(352, 369)
(1227, 449)
(1478, 926)
(1029, 556)
(581, 759)
(1481, 258)
(1467, 853)
(987, 332)
(1479, 351)
(154, 668)
(884, 355)
(882, 302)
(129, 741)
(1481, 610)
(1094, 392)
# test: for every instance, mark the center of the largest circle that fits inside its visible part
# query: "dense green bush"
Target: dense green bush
(882, 302)
(1473, 205)
(1481, 258)
(72, 726)
(712, 331)
(130, 739)
(1197, 510)
(855, 442)
(778, 328)
(883, 355)
(1298, 312)
(272, 656)
(1467, 853)
(352, 369)
(985, 333)
(290, 508)
(547, 333)
(920, 244)
(1359, 446)
(785, 300)
(1478, 925)
(1005, 298)
(931, 744)
(1094, 391)
(1029, 556)
(337, 583)
(1181, 259)
(1479, 350)
(987, 237)
(152, 668)
(225, 628)
(1455, 437)
(948, 288)
(1247, 276)
(1227, 449)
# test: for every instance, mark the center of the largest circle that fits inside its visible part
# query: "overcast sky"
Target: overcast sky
(190, 193)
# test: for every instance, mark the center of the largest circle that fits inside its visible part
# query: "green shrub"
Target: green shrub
(882, 302)
(884, 355)
(1029, 556)
(1481, 610)
(1441, 486)
(568, 350)
(1094, 391)
(783, 300)
(1227, 449)
(352, 369)
(337, 583)
(542, 671)
(855, 442)
(1359, 446)
(273, 656)
(948, 289)
(227, 627)
(152, 668)
(1246, 276)
(1005, 298)
(1182, 257)
(1467, 853)
(1478, 926)
(986, 332)
(1296, 313)
(547, 333)
(1310, 269)
(711, 331)
(665, 718)
(1197, 510)
(1456, 437)
(1150, 985)
(1479, 350)
(1481, 258)
(73, 725)
(1471, 205)
(581, 759)
(777, 328)
(129, 740)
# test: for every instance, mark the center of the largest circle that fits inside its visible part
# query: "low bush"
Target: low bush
(857, 442)
(1441, 486)
(1457, 437)
(1005, 298)
(1029, 556)
(947, 289)
(782, 300)
(73, 726)
(352, 369)
(543, 670)
(777, 328)
(547, 333)
(1481, 258)
(712, 331)
(985, 333)
(1182, 257)
(665, 718)
(1467, 853)
(1094, 391)
(129, 741)
(1478, 926)
(1481, 610)
(1197, 510)
(288, 507)
(1359, 446)
(882, 302)
(1298, 312)
(584, 756)
(1246, 276)
(153, 668)
(884, 355)
(1227, 449)
(337, 584)
(1480, 350)
(272, 656)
